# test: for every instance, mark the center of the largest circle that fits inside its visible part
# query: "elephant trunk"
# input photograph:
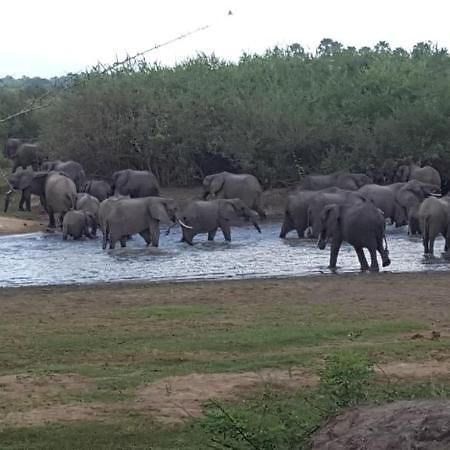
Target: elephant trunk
(7, 199)
(255, 224)
(322, 241)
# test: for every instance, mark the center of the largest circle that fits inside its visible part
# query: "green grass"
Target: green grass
(118, 347)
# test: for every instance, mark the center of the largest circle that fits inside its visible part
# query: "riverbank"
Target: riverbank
(108, 366)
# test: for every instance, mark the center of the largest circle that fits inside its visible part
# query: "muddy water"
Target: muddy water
(44, 259)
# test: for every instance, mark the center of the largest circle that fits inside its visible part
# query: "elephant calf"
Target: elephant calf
(78, 224)
(434, 219)
(207, 216)
(362, 225)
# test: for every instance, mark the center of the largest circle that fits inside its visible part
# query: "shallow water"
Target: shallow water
(44, 259)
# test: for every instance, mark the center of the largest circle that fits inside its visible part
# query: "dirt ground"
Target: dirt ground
(12, 225)
(30, 399)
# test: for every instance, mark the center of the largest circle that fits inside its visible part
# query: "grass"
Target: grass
(120, 338)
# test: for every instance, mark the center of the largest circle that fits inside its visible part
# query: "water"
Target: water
(44, 259)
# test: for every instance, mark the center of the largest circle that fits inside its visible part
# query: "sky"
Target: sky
(54, 37)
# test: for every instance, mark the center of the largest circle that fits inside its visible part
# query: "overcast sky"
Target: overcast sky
(53, 37)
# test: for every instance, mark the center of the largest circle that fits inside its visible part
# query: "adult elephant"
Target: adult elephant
(410, 196)
(72, 168)
(26, 182)
(427, 174)
(434, 219)
(11, 146)
(230, 185)
(100, 189)
(55, 189)
(127, 216)
(296, 211)
(26, 155)
(135, 183)
(384, 198)
(362, 225)
(208, 216)
(321, 199)
(342, 180)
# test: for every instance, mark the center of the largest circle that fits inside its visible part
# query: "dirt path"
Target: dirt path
(11, 225)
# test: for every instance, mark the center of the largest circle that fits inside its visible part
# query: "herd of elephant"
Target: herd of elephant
(332, 208)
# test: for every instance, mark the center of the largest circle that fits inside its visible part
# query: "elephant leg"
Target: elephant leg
(22, 201)
(425, 242)
(335, 247)
(374, 267)
(188, 236)
(362, 258)
(51, 217)
(226, 230)
(431, 246)
(212, 235)
(123, 241)
(154, 232)
(261, 213)
(286, 227)
(384, 252)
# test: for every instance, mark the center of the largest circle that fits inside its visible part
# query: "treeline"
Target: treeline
(275, 115)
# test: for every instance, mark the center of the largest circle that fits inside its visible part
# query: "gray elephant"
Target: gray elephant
(135, 183)
(319, 201)
(100, 189)
(410, 196)
(23, 154)
(55, 189)
(127, 216)
(296, 210)
(384, 198)
(427, 174)
(434, 219)
(78, 224)
(362, 225)
(25, 182)
(72, 168)
(229, 186)
(10, 148)
(342, 180)
(208, 216)
(88, 203)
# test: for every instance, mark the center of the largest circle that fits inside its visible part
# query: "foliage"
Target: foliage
(274, 115)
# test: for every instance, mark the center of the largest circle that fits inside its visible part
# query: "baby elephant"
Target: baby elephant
(78, 224)
(208, 216)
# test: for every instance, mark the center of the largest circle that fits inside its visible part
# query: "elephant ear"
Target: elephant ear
(216, 184)
(158, 210)
(22, 180)
(330, 212)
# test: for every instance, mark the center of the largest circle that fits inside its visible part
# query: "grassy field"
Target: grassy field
(210, 365)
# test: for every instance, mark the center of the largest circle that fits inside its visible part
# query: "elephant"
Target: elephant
(55, 189)
(100, 189)
(410, 196)
(78, 224)
(88, 203)
(23, 154)
(434, 219)
(72, 168)
(11, 146)
(342, 180)
(296, 211)
(362, 225)
(384, 198)
(229, 186)
(207, 216)
(427, 174)
(135, 183)
(321, 199)
(26, 182)
(124, 217)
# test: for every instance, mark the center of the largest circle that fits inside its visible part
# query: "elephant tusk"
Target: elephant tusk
(12, 190)
(183, 224)
(435, 195)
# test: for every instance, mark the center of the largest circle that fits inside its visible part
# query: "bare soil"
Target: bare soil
(11, 225)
